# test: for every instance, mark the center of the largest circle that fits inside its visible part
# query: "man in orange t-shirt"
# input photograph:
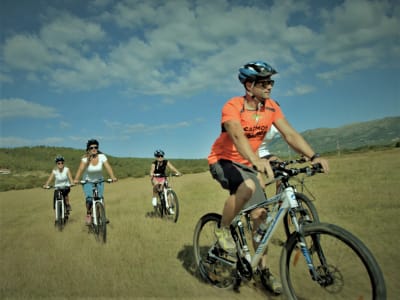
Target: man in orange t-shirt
(233, 157)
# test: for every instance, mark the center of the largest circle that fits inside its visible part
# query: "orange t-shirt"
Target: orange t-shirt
(255, 124)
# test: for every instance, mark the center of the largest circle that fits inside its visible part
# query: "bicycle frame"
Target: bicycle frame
(163, 194)
(282, 203)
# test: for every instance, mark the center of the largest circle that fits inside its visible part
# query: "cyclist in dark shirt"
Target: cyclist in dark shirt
(158, 167)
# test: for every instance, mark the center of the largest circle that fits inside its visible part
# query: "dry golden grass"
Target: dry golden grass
(149, 258)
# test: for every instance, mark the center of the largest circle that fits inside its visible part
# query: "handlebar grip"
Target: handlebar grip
(318, 168)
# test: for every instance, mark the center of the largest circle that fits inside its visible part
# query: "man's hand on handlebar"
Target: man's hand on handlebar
(323, 162)
(263, 166)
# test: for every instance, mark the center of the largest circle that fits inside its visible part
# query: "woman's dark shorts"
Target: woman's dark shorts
(64, 192)
(230, 175)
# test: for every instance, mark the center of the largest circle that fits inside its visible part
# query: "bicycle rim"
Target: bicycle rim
(347, 267)
(60, 219)
(161, 206)
(204, 241)
(101, 231)
(172, 199)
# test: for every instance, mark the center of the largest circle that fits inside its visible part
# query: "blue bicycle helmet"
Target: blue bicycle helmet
(255, 71)
(59, 158)
(159, 152)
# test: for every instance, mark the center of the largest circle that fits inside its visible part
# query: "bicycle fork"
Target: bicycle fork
(324, 278)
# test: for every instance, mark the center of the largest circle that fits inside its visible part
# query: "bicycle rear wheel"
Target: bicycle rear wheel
(212, 270)
(346, 268)
(172, 213)
(101, 230)
(306, 213)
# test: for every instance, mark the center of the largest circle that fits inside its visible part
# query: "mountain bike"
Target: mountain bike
(98, 226)
(60, 208)
(318, 260)
(167, 201)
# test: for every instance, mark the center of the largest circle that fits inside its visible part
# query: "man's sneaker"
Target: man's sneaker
(69, 208)
(270, 282)
(225, 239)
(88, 219)
(171, 211)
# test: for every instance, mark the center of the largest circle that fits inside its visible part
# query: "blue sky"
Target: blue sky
(142, 75)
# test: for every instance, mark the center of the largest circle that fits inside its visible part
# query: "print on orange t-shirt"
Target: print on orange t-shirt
(255, 124)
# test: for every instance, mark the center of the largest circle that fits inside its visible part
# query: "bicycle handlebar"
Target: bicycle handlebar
(282, 172)
(166, 176)
(47, 187)
(109, 180)
(288, 162)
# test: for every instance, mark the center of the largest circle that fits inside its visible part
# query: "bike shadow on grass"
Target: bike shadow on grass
(151, 214)
(186, 257)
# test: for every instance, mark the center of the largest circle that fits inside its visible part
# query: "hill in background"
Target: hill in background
(27, 167)
(382, 132)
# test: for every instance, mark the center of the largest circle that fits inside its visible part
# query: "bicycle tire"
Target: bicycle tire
(353, 272)
(101, 230)
(172, 199)
(60, 217)
(307, 213)
(204, 240)
(161, 205)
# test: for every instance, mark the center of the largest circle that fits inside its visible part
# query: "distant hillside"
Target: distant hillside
(27, 167)
(353, 136)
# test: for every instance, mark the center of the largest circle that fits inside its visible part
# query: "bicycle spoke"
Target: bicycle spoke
(206, 254)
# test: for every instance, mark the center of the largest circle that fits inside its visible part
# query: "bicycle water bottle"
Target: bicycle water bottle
(262, 229)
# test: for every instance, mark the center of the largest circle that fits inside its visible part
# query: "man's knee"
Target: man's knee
(258, 214)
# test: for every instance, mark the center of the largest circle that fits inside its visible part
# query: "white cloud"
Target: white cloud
(162, 48)
(26, 52)
(300, 90)
(17, 108)
(13, 141)
(141, 128)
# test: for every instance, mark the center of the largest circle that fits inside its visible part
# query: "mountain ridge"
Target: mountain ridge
(385, 131)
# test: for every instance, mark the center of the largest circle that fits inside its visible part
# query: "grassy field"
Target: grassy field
(149, 258)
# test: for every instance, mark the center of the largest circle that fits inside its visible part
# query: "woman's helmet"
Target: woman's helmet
(91, 142)
(255, 71)
(59, 158)
(159, 152)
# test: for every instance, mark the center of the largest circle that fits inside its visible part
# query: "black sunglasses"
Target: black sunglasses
(266, 83)
(93, 147)
(159, 155)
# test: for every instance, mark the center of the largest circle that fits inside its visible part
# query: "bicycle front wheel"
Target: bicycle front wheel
(101, 230)
(211, 269)
(306, 213)
(59, 215)
(345, 267)
(172, 213)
